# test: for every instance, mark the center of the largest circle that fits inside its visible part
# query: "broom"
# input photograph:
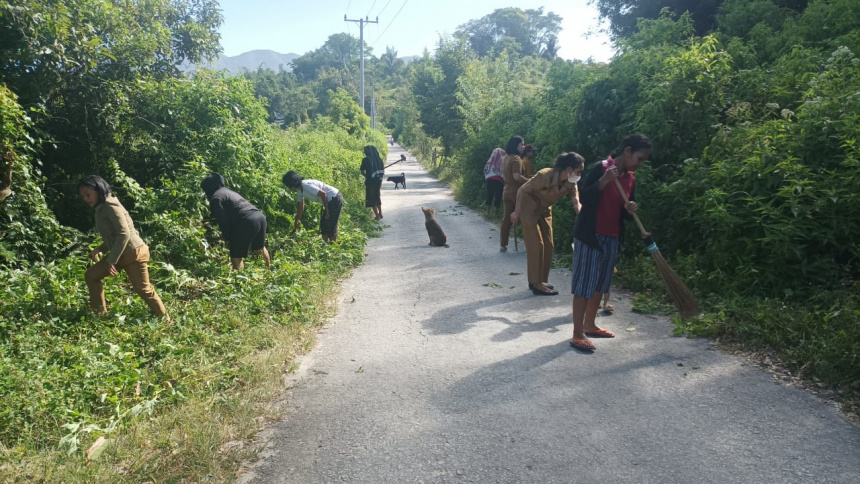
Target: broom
(678, 291)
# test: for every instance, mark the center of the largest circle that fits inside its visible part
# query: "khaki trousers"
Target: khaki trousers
(537, 235)
(134, 263)
(510, 202)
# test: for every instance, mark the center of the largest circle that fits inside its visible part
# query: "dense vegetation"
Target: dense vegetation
(751, 187)
(752, 106)
(83, 92)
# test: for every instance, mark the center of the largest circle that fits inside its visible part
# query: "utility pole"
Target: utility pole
(361, 23)
(372, 107)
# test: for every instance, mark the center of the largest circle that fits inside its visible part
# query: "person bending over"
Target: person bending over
(243, 226)
(327, 195)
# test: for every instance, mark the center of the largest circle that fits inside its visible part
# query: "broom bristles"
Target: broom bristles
(678, 291)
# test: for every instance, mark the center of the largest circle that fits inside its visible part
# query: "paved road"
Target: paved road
(442, 367)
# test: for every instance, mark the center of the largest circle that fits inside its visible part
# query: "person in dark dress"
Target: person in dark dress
(243, 226)
(373, 170)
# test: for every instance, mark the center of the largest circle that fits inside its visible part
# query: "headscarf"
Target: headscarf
(493, 167)
(98, 184)
(211, 183)
(375, 166)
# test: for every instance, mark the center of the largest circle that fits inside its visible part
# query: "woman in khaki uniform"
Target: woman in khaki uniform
(125, 249)
(534, 209)
(516, 172)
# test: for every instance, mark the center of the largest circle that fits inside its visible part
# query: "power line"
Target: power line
(392, 21)
(383, 8)
(347, 6)
(371, 8)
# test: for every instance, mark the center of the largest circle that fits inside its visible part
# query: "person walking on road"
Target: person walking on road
(534, 209)
(327, 195)
(126, 251)
(373, 170)
(515, 174)
(242, 225)
(597, 231)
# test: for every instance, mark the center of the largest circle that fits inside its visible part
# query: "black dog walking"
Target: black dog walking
(398, 180)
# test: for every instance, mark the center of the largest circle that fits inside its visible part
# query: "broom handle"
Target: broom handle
(635, 217)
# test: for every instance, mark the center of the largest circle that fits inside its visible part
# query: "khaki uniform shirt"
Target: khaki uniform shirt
(541, 192)
(116, 228)
(514, 164)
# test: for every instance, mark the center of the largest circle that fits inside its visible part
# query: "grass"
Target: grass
(174, 403)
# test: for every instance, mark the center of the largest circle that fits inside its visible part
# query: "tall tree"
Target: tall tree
(340, 51)
(624, 14)
(434, 84)
(525, 32)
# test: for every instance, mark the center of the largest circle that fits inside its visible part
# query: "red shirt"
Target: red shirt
(611, 204)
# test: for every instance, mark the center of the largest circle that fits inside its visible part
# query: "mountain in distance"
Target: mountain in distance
(249, 61)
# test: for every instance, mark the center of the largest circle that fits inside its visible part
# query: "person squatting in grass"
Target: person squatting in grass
(243, 226)
(597, 231)
(327, 195)
(495, 180)
(515, 173)
(534, 209)
(373, 170)
(126, 251)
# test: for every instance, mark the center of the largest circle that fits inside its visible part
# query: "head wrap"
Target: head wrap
(211, 183)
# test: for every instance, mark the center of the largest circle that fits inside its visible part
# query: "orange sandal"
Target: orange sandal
(600, 333)
(583, 344)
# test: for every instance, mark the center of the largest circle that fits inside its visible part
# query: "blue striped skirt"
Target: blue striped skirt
(593, 268)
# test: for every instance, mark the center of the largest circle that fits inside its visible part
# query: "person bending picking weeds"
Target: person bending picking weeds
(327, 195)
(596, 233)
(243, 226)
(534, 208)
(126, 251)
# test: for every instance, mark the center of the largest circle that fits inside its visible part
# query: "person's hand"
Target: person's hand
(112, 270)
(631, 207)
(95, 255)
(515, 217)
(610, 175)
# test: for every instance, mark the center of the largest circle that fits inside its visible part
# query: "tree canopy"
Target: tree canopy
(520, 32)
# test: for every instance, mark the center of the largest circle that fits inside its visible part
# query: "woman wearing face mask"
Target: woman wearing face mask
(534, 209)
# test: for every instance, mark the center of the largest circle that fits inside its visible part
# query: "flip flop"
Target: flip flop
(600, 333)
(583, 344)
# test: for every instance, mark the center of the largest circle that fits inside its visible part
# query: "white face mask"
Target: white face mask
(573, 178)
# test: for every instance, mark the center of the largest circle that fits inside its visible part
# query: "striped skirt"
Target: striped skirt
(593, 268)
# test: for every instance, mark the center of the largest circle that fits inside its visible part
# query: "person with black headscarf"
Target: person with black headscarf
(126, 251)
(243, 226)
(373, 170)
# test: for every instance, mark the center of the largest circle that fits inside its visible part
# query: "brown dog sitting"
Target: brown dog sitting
(437, 235)
(401, 179)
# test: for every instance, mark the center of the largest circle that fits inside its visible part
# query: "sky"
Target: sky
(409, 26)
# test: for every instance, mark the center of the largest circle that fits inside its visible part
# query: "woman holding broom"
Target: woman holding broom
(597, 231)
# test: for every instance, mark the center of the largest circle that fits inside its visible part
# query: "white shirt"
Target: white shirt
(311, 188)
